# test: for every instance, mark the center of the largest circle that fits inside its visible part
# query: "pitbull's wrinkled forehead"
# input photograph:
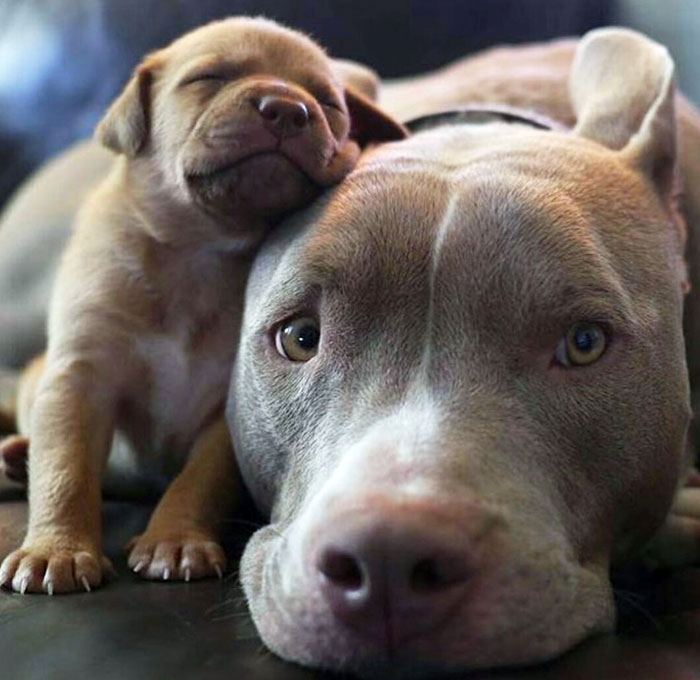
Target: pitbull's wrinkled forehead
(486, 213)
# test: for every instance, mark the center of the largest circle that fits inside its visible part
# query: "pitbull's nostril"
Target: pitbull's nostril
(425, 576)
(341, 569)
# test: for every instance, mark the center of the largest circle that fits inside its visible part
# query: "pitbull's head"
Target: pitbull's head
(461, 389)
(243, 120)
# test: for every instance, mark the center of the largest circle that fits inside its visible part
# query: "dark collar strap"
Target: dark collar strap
(479, 115)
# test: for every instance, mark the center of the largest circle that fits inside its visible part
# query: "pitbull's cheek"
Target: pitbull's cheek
(260, 459)
(639, 475)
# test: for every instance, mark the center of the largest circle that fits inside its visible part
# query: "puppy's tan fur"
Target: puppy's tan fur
(146, 308)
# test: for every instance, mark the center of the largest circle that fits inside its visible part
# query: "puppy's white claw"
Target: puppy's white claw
(218, 571)
(138, 567)
(166, 574)
(86, 584)
(49, 587)
(188, 575)
(24, 585)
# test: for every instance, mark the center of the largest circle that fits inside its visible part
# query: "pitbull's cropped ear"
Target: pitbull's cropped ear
(368, 122)
(124, 128)
(622, 91)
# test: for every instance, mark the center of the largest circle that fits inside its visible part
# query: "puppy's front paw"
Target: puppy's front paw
(54, 567)
(176, 557)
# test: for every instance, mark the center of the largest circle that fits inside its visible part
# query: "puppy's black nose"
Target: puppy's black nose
(283, 116)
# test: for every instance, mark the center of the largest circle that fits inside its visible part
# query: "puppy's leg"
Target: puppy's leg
(71, 431)
(678, 542)
(181, 539)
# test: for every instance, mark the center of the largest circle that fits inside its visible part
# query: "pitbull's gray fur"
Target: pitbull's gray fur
(434, 431)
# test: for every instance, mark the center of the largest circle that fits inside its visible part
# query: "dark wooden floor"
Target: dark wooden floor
(133, 630)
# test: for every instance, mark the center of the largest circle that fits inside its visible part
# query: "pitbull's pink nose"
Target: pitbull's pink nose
(283, 116)
(379, 571)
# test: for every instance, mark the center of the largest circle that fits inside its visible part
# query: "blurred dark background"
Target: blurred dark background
(62, 61)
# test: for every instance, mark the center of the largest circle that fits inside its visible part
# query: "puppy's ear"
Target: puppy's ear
(359, 77)
(622, 91)
(124, 128)
(368, 122)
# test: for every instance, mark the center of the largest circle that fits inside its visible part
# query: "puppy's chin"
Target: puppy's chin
(263, 186)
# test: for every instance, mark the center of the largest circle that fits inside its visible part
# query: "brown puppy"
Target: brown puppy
(219, 135)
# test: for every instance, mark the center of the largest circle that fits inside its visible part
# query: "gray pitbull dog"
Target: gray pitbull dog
(461, 390)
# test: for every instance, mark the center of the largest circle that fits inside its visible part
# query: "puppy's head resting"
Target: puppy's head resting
(461, 388)
(244, 119)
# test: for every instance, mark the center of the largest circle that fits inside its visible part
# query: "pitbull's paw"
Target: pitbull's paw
(678, 541)
(13, 458)
(54, 567)
(175, 557)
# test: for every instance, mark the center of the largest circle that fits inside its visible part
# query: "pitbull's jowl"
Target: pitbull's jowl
(461, 389)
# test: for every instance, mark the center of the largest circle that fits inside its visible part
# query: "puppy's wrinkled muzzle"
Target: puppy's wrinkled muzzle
(303, 134)
(266, 119)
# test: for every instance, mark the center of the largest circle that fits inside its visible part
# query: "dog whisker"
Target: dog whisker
(634, 600)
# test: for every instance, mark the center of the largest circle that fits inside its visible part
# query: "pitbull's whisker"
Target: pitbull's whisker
(634, 600)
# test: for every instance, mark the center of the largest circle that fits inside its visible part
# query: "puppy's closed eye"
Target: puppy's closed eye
(329, 100)
(218, 76)
(213, 69)
(331, 104)
(324, 95)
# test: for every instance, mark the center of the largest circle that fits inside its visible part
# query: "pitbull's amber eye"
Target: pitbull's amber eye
(297, 339)
(583, 344)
